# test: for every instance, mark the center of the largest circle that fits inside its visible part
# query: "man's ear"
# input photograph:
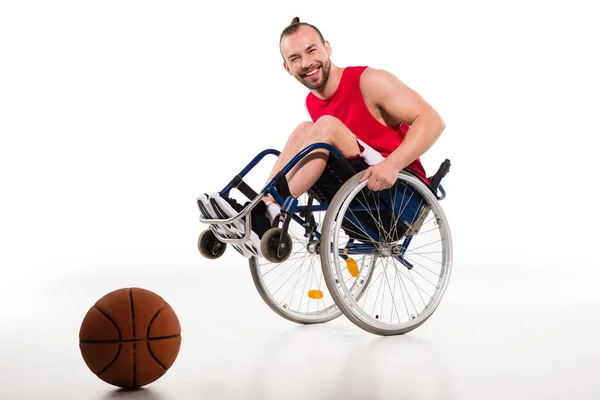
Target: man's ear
(328, 48)
(287, 68)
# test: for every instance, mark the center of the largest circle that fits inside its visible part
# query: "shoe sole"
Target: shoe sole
(226, 230)
(224, 210)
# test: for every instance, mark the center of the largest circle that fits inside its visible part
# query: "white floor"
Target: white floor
(499, 334)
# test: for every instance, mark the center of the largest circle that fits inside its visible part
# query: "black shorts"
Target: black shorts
(336, 173)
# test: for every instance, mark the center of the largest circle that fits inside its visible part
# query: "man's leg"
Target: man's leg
(306, 173)
(329, 130)
(293, 146)
(326, 130)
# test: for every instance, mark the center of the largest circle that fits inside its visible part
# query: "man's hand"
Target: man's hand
(381, 176)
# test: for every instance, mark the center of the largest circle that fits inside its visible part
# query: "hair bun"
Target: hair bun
(296, 20)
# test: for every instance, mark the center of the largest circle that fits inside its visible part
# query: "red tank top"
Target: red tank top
(347, 105)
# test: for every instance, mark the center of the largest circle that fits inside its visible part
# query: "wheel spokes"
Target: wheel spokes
(407, 242)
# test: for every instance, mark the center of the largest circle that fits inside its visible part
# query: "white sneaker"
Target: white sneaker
(226, 230)
(225, 209)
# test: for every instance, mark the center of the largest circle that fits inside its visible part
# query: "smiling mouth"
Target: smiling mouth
(312, 72)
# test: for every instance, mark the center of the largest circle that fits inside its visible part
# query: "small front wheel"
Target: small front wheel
(274, 248)
(209, 246)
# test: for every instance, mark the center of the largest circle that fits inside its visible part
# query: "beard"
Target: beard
(324, 70)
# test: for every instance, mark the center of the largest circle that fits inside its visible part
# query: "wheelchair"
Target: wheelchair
(381, 258)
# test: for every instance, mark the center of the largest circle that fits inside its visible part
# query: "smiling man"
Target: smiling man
(368, 114)
(362, 111)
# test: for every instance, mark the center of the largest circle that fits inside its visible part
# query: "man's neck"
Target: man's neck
(335, 75)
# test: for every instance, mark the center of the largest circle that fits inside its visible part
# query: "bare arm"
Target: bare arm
(403, 104)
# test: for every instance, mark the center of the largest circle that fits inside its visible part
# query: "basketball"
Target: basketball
(130, 337)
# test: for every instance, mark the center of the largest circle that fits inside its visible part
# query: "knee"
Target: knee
(300, 133)
(325, 128)
(327, 122)
(304, 126)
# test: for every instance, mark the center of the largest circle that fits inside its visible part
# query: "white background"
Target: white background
(115, 115)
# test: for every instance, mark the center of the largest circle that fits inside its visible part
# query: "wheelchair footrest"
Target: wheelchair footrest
(215, 207)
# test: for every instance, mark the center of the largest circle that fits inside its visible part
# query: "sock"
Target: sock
(272, 210)
(260, 221)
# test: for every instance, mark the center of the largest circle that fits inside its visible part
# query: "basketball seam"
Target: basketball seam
(155, 358)
(148, 335)
(153, 339)
(133, 334)
(118, 332)
(112, 362)
(110, 319)
(153, 318)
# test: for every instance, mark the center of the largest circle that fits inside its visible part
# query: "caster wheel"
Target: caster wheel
(273, 248)
(209, 246)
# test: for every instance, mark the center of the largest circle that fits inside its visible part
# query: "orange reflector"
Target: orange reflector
(315, 294)
(352, 266)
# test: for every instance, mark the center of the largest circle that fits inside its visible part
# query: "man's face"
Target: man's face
(307, 58)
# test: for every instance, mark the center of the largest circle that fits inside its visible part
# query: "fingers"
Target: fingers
(372, 179)
(374, 184)
(367, 174)
(377, 185)
(377, 180)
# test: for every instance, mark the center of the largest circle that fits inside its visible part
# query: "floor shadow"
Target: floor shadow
(133, 394)
(338, 361)
(407, 367)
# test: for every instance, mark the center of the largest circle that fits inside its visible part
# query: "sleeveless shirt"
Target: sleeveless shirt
(347, 104)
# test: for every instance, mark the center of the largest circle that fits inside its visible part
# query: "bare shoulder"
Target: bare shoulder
(374, 75)
(377, 84)
(385, 91)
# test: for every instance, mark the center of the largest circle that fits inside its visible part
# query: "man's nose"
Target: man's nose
(306, 62)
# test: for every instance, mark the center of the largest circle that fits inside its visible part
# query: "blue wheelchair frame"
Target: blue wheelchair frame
(411, 210)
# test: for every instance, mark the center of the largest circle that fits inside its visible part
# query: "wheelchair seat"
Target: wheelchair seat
(338, 171)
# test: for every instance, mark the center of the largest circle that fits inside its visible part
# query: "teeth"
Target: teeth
(312, 72)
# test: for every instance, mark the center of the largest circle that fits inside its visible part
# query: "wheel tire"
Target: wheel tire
(328, 269)
(282, 298)
(282, 311)
(209, 246)
(270, 242)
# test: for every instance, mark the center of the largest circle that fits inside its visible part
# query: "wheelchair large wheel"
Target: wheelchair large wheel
(295, 288)
(406, 232)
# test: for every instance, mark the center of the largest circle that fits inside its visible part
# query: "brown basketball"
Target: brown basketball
(130, 337)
